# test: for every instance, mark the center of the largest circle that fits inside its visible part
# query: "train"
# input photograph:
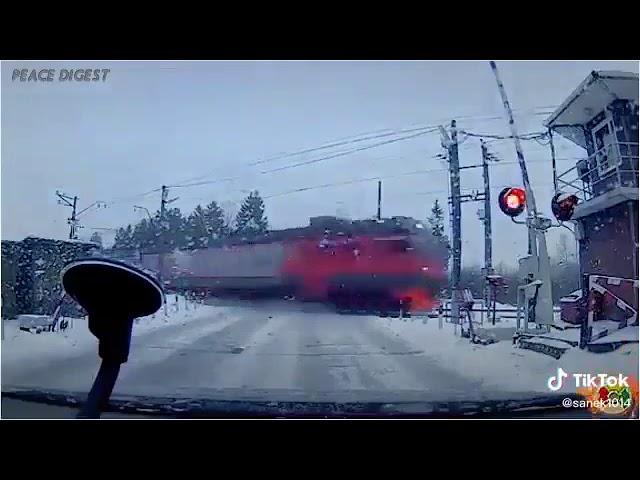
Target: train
(381, 265)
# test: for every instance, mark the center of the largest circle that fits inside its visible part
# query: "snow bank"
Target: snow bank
(502, 366)
(20, 347)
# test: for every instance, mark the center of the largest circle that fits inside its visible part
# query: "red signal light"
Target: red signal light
(563, 206)
(512, 201)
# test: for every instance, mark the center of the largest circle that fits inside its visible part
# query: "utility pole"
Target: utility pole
(488, 262)
(72, 232)
(451, 144)
(455, 201)
(379, 199)
(73, 203)
(163, 205)
(164, 226)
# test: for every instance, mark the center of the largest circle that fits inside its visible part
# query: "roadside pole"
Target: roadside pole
(488, 262)
(163, 236)
(451, 144)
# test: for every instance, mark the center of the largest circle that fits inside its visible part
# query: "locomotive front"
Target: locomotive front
(376, 270)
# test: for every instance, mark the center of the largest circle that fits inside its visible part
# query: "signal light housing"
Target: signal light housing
(512, 201)
(563, 205)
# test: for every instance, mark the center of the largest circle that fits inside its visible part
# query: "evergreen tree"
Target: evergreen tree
(197, 229)
(124, 239)
(204, 226)
(175, 230)
(251, 219)
(215, 221)
(436, 220)
(146, 234)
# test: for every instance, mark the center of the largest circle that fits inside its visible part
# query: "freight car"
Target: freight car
(372, 265)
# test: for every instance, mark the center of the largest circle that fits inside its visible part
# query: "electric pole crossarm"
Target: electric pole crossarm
(65, 199)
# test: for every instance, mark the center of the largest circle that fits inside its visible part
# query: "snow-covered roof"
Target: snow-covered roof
(593, 94)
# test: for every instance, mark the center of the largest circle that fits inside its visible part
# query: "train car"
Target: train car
(371, 265)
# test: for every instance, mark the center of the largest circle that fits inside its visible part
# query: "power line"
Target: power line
(132, 197)
(345, 140)
(341, 154)
(308, 150)
(308, 162)
(379, 177)
(353, 181)
(357, 139)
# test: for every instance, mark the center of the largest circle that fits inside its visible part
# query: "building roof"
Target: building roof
(593, 94)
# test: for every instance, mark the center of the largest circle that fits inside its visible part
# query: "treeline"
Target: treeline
(201, 228)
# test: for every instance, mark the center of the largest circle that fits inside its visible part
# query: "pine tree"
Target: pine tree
(215, 221)
(436, 220)
(175, 234)
(197, 229)
(251, 219)
(146, 234)
(124, 239)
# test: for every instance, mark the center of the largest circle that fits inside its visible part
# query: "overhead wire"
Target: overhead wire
(345, 141)
(305, 151)
(353, 181)
(341, 154)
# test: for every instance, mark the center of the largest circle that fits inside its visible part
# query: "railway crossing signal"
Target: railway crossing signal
(512, 201)
(563, 205)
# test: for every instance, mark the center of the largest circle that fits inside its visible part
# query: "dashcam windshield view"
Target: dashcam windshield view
(319, 239)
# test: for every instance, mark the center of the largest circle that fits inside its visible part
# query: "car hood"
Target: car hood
(212, 403)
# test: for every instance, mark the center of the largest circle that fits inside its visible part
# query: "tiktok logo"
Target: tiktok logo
(555, 383)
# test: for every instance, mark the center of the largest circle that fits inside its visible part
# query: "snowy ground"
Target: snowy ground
(503, 366)
(279, 349)
(21, 349)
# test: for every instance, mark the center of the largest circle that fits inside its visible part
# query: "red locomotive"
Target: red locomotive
(372, 265)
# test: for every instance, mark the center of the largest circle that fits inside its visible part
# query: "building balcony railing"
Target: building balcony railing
(612, 166)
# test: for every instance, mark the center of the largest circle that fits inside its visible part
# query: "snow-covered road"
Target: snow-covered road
(277, 350)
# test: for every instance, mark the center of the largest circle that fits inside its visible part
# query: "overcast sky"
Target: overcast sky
(154, 123)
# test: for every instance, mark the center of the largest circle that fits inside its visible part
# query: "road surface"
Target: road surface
(282, 352)
(267, 349)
